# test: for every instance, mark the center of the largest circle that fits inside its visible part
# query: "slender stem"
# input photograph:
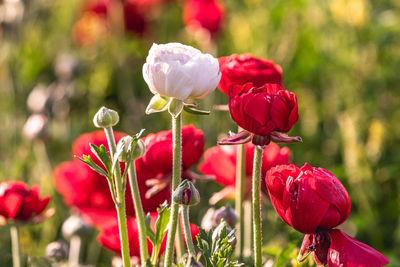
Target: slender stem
(257, 206)
(15, 247)
(239, 195)
(144, 254)
(186, 229)
(179, 243)
(74, 251)
(176, 178)
(120, 204)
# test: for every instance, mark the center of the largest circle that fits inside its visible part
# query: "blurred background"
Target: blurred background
(61, 60)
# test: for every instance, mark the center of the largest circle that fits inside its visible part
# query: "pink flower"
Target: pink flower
(21, 204)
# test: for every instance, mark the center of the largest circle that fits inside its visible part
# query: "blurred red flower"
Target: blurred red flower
(203, 14)
(245, 68)
(307, 198)
(337, 249)
(220, 162)
(99, 15)
(88, 191)
(21, 204)
(262, 110)
(109, 236)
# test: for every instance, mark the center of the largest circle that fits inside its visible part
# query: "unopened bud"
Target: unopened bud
(186, 194)
(105, 117)
(57, 251)
(227, 214)
(74, 225)
(125, 145)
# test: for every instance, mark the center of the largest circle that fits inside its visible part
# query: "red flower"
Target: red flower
(337, 249)
(19, 203)
(242, 69)
(109, 236)
(220, 162)
(263, 110)
(206, 14)
(308, 199)
(88, 191)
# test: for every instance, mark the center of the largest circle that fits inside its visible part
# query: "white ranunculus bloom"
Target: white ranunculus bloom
(180, 71)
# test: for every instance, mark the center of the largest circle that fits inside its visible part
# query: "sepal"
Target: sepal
(237, 139)
(158, 104)
(279, 137)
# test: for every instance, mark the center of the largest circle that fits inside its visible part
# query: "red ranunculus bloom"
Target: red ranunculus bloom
(19, 203)
(262, 110)
(337, 249)
(109, 236)
(206, 14)
(242, 69)
(220, 162)
(88, 191)
(308, 199)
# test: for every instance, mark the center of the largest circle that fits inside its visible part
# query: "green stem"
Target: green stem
(144, 254)
(256, 205)
(120, 204)
(179, 243)
(239, 196)
(176, 178)
(186, 229)
(15, 246)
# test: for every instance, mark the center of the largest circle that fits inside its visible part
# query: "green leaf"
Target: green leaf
(162, 221)
(102, 154)
(149, 231)
(158, 104)
(88, 161)
(195, 111)
(175, 107)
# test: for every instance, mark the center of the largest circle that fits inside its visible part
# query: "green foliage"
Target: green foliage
(216, 252)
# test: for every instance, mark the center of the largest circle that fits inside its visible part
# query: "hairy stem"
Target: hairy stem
(144, 254)
(256, 205)
(176, 178)
(186, 229)
(239, 196)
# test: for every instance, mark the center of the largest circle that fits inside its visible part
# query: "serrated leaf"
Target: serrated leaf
(88, 161)
(102, 154)
(196, 111)
(149, 231)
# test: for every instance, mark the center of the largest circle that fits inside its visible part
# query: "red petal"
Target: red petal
(12, 202)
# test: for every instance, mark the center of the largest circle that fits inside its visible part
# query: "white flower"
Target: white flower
(180, 71)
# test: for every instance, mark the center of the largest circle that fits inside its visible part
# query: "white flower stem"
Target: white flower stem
(176, 178)
(74, 251)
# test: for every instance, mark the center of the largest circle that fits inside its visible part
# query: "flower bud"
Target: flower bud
(57, 251)
(74, 225)
(227, 214)
(186, 194)
(105, 117)
(135, 152)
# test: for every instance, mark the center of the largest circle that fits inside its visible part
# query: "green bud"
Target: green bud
(186, 194)
(105, 117)
(125, 148)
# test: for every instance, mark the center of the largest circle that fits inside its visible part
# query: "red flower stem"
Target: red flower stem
(176, 178)
(256, 205)
(120, 204)
(186, 229)
(144, 254)
(15, 246)
(239, 196)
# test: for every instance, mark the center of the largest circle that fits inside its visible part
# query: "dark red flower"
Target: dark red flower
(109, 236)
(263, 110)
(88, 191)
(242, 69)
(205, 14)
(308, 199)
(220, 162)
(19, 203)
(337, 249)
